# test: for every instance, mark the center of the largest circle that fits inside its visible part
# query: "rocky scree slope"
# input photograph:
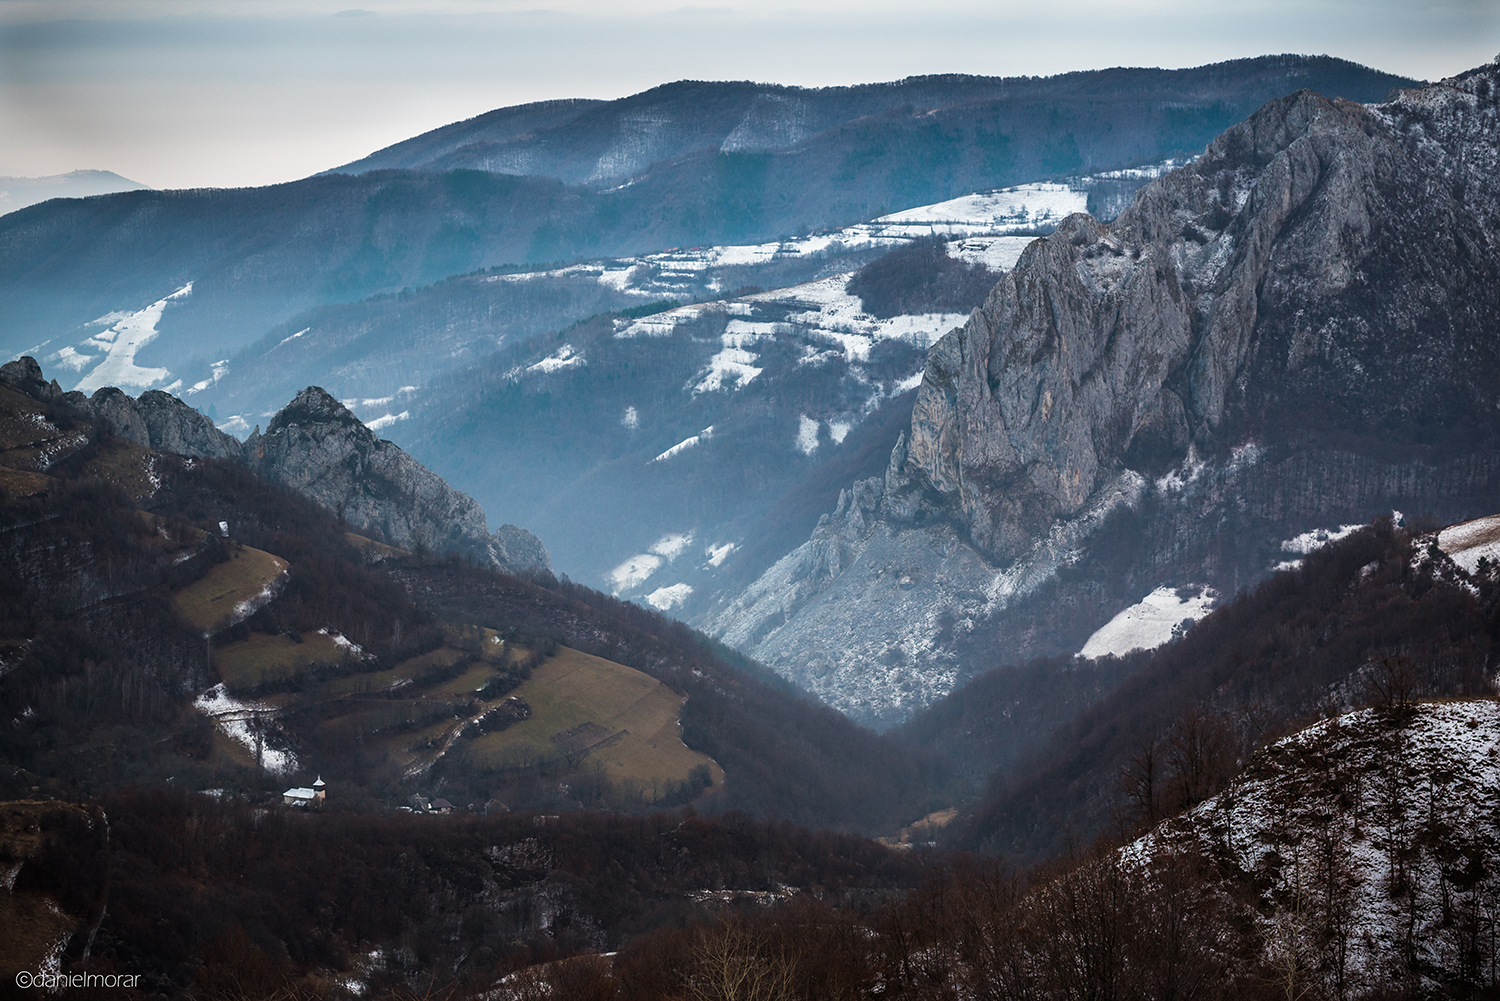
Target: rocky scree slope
(1294, 330)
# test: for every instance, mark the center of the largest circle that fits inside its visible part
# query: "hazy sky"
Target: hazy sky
(189, 93)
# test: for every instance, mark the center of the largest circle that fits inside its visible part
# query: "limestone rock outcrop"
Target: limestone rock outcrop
(25, 375)
(315, 446)
(1325, 270)
(156, 420)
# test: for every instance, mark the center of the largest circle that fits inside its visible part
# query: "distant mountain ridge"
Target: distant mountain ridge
(605, 142)
(255, 257)
(19, 192)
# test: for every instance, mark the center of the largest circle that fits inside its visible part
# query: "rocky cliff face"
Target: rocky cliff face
(1298, 326)
(318, 448)
(1325, 269)
(321, 450)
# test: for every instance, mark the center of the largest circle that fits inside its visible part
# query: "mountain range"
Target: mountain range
(1118, 543)
(253, 258)
(19, 192)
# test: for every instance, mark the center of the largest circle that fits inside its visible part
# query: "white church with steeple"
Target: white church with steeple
(305, 797)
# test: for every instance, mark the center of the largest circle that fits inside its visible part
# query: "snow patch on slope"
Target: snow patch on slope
(665, 598)
(239, 721)
(672, 545)
(1468, 543)
(564, 357)
(381, 423)
(633, 572)
(807, 435)
(1150, 622)
(1311, 541)
(686, 444)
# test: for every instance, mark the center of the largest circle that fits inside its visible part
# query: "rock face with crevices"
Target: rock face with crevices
(1325, 270)
(155, 420)
(1302, 327)
(315, 446)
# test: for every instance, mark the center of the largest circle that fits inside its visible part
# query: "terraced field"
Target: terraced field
(600, 713)
(264, 658)
(230, 591)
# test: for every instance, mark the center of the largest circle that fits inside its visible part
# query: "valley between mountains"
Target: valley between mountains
(1044, 546)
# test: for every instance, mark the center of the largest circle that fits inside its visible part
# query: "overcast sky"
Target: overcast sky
(192, 93)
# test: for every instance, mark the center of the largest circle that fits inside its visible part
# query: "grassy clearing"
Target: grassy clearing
(124, 463)
(264, 657)
(379, 550)
(215, 601)
(640, 713)
(20, 483)
(379, 681)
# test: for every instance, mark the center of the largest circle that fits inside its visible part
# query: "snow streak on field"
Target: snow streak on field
(1151, 622)
(241, 720)
(120, 343)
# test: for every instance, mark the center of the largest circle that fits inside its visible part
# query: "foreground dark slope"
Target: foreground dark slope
(223, 901)
(1169, 728)
(258, 256)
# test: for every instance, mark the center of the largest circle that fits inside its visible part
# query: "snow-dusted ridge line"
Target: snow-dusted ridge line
(1377, 791)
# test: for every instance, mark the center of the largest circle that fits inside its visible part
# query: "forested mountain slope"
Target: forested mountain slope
(171, 615)
(1159, 732)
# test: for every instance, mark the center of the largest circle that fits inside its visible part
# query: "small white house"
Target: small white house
(304, 797)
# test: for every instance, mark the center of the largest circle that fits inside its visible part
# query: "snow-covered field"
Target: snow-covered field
(822, 316)
(1468, 543)
(124, 337)
(1299, 546)
(239, 720)
(990, 227)
(1150, 622)
(1026, 206)
(638, 569)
